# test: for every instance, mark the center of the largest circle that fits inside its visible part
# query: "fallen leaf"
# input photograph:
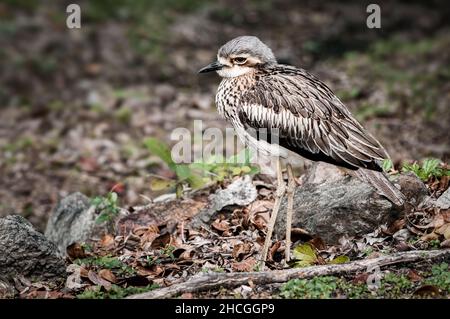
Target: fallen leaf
(220, 225)
(318, 243)
(395, 226)
(107, 275)
(187, 295)
(244, 265)
(75, 251)
(414, 276)
(304, 255)
(107, 241)
(273, 250)
(162, 241)
(241, 250)
(160, 184)
(429, 237)
(74, 281)
(361, 278)
(97, 280)
(445, 243)
(427, 291)
(149, 235)
(340, 260)
(444, 230)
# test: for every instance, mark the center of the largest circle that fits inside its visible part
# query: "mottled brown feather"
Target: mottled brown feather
(326, 130)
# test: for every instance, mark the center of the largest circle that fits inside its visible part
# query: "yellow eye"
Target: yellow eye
(240, 60)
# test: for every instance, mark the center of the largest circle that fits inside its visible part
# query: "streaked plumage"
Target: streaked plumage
(311, 121)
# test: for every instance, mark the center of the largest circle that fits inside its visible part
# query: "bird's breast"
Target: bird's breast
(229, 95)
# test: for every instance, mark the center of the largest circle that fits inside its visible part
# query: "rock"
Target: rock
(72, 221)
(402, 235)
(443, 202)
(7, 290)
(331, 204)
(26, 252)
(241, 192)
(412, 187)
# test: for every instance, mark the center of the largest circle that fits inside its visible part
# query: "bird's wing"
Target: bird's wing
(310, 119)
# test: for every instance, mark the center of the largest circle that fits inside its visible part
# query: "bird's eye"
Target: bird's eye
(240, 60)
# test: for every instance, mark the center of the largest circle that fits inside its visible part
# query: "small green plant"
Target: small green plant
(430, 168)
(395, 285)
(305, 255)
(184, 174)
(107, 262)
(198, 174)
(168, 251)
(116, 292)
(107, 207)
(387, 165)
(440, 277)
(317, 287)
(218, 168)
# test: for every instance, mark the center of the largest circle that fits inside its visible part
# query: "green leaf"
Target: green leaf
(387, 165)
(161, 150)
(196, 181)
(305, 255)
(113, 197)
(183, 171)
(340, 260)
(103, 217)
(160, 184)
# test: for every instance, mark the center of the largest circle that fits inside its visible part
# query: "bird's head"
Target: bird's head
(240, 56)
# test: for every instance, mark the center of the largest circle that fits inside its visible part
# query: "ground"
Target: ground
(78, 105)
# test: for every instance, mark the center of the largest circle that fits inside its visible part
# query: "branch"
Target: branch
(202, 282)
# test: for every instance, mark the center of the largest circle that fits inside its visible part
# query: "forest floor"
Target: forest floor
(78, 107)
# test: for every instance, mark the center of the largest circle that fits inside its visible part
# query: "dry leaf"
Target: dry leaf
(75, 251)
(444, 230)
(273, 250)
(187, 295)
(220, 225)
(162, 241)
(245, 265)
(445, 243)
(241, 250)
(361, 278)
(429, 237)
(149, 235)
(318, 243)
(414, 276)
(74, 281)
(97, 280)
(107, 275)
(107, 241)
(428, 291)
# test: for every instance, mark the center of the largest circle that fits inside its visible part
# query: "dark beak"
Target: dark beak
(216, 65)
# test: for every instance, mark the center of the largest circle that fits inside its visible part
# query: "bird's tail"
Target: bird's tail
(382, 184)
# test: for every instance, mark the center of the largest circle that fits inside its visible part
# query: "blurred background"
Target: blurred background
(77, 104)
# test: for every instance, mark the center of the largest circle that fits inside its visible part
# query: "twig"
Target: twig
(212, 281)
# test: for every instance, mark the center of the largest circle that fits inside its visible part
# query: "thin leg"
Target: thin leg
(281, 189)
(290, 209)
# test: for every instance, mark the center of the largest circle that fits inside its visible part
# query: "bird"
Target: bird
(302, 116)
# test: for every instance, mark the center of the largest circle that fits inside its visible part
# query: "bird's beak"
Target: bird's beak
(214, 66)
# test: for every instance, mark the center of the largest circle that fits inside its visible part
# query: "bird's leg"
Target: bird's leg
(290, 209)
(281, 189)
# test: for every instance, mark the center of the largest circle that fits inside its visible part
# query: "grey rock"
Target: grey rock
(443, 201)
(241, 192)
(26, 252)
(402, 235)
(7, 290)
(72, 221)
(412, 187)
(331, 204)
